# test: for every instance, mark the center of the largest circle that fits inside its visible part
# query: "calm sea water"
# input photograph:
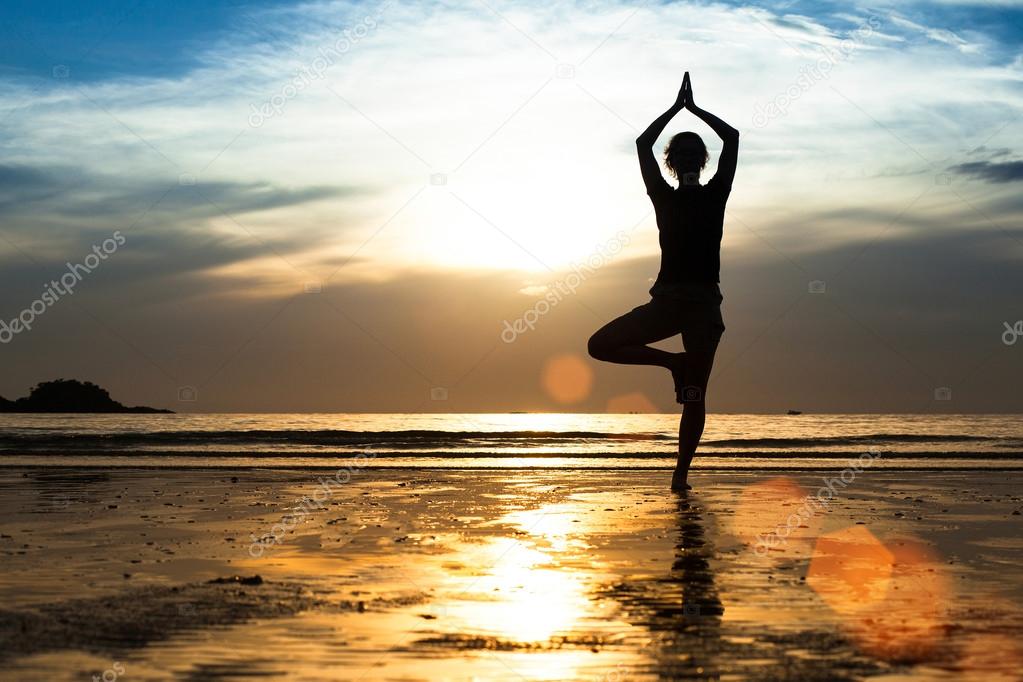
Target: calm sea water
(508, 440)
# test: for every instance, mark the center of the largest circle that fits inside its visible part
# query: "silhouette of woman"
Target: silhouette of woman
(685, 299)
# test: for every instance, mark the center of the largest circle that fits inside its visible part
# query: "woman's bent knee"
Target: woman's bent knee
(601, 345)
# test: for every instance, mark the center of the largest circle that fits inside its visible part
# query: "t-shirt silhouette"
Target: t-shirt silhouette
(690, 220)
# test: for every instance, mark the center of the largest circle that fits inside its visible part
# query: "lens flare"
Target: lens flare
(850, 570)
(631, 402)
(777, 517)
(893, 597)
(567, 378)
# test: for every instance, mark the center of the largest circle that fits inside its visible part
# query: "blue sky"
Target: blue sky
(110, 39)
(113, 39)
(455, 159)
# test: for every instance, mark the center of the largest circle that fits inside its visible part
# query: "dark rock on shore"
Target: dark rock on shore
(71, 395)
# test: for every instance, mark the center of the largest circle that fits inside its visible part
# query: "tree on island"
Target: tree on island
(70, 395)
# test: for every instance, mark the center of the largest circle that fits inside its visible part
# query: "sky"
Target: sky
(276, 206)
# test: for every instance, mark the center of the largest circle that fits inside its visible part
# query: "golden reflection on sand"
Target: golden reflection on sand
(524, 596)
(529, 594)
(990, 657)
(523, 593)
(537, 575)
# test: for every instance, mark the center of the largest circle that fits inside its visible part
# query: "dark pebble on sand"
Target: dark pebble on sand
(250, 580)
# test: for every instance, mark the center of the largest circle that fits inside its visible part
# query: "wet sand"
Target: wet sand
(508, 575)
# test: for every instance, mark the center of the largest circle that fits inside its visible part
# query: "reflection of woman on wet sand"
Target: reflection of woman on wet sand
(683, 610)
(685, 298)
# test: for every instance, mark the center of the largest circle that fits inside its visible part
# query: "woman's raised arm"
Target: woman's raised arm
(729, 135)
(652, 177)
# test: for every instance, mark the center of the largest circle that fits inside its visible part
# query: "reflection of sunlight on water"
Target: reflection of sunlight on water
(892, 597)
(513, 600)
(552, 524)
(534, 589)
(529, 596)
(523, 597)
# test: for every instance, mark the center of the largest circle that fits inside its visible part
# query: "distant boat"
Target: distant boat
(793, 412)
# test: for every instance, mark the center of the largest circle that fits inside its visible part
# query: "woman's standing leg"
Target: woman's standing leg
(701, 335)
(694, 411)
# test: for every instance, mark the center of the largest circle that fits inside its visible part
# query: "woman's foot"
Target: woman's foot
(679, 483)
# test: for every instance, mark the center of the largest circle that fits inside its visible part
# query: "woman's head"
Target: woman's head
(685, 153)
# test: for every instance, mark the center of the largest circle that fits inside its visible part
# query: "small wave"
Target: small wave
(434, 443)
(381, 457)
(425, 438)
(874, 438)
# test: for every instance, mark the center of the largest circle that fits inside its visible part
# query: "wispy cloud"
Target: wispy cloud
(993, 171)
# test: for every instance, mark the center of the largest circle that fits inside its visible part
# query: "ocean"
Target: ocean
(517, 440)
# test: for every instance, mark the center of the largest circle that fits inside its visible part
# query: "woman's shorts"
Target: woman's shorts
(694, 310)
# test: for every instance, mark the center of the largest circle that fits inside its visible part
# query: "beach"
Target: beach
(365, 341)
(355, 572)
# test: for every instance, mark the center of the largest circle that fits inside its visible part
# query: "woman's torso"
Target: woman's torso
(690, 222)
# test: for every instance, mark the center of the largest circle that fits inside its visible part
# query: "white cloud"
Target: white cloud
(940, 35)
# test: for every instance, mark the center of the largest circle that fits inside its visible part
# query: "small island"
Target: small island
(71, 395)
